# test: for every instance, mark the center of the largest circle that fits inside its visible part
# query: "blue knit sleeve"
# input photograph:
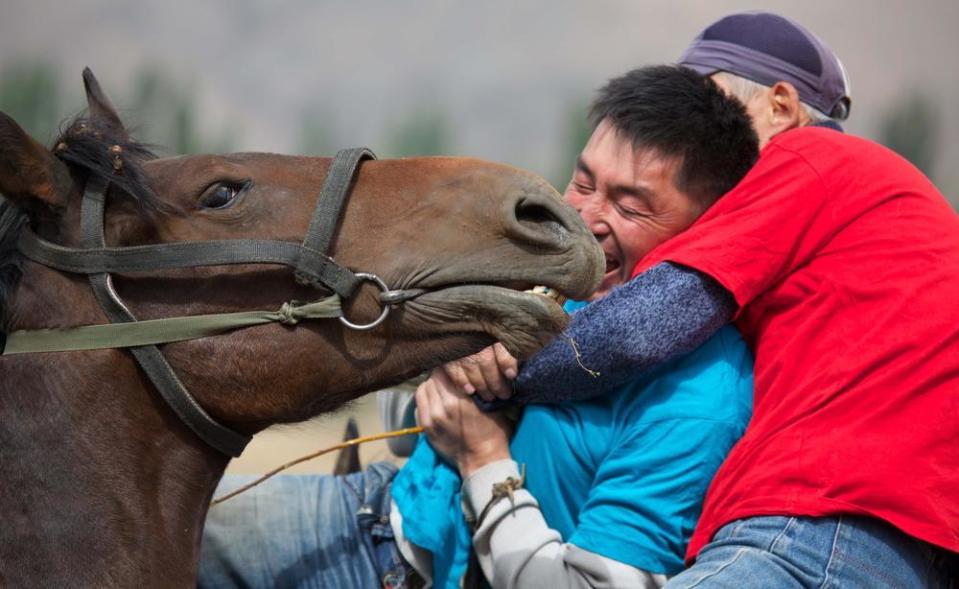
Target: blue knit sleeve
(665, 312)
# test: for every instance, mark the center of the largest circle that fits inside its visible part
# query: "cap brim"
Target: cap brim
(704, 70)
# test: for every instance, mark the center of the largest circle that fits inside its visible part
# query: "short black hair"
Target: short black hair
(681, 113)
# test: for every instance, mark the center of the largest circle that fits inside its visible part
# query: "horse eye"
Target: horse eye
(220, 196)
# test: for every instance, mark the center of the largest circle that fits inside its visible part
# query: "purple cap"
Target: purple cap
(767, 48)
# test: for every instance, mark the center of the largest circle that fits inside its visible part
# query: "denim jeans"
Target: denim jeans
(319, 531)
(830, 552)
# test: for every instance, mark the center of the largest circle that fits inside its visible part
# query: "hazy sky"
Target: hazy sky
(505, 73)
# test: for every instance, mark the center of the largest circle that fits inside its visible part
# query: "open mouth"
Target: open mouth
(612, 266)
(521, 316)
(552, 294)
(516, 302)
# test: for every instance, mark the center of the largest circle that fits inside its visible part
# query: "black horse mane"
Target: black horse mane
(12, 221)
(93, 150)
(109, 154)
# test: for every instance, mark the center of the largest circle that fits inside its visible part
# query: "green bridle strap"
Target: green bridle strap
(163, 331)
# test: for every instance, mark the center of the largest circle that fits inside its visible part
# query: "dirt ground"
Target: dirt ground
(281, 444)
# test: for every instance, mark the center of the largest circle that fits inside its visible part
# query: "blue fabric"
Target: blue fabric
(309, 531)
(427, 493)
(623, 475)
(801, 552)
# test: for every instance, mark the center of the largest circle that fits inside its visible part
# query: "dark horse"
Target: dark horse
(101, 484)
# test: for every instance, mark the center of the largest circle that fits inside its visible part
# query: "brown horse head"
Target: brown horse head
(85, 440)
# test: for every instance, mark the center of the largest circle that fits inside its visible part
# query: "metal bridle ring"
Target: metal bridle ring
(386, 308)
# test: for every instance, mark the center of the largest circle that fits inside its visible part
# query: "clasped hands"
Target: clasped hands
(457, 429)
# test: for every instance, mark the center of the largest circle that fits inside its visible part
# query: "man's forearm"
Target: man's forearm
(666, 312)
(516, 547)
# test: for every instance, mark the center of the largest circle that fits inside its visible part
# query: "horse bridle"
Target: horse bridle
(312, 266)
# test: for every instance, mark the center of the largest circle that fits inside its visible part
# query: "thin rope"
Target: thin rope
(363, 440)
(340, 446)
(579, 357)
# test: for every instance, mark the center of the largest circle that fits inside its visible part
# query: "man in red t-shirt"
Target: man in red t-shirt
(841, 261)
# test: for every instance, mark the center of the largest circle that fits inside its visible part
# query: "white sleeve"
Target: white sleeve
(516, 548)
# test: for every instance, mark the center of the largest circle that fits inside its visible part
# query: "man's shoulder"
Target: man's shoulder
(824, 148)
(712, 384)
(815, 137)
(851, 165)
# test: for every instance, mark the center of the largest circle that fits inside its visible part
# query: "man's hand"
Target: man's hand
(487, 373)
(457, 428)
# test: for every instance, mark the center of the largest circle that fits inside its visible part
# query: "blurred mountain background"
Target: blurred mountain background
(502, 80)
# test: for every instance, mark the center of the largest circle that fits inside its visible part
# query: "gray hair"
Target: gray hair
(745, 89)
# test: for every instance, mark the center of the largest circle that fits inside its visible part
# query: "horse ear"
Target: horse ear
(31, 177)
(100, 107)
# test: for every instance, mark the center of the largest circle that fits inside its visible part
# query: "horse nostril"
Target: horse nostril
(540, 221)
(534, 214)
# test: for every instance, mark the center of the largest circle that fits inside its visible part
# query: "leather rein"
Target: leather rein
(309, 260)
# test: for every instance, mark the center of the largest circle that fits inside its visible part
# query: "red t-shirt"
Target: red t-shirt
(844, 261)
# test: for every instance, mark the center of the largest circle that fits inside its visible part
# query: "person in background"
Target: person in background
(839, 263)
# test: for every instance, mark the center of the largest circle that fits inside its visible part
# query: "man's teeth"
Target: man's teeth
(548, 293)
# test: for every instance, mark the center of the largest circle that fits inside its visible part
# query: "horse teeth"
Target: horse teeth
(549, 293)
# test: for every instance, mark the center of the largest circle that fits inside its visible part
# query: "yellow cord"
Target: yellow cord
(340, 446)
(363, 440)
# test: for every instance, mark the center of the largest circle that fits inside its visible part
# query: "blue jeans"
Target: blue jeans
(304, 531)
(827, 552)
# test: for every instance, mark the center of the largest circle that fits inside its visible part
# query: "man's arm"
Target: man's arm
(645, 497)
(665, 312)
(515, 546)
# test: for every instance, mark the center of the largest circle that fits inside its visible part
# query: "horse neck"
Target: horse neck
(102, 484)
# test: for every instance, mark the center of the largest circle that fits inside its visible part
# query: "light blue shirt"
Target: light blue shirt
(622, 476)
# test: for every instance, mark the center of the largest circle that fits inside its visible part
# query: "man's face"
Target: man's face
(629, 200)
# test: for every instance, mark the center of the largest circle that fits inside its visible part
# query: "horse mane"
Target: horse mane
(12, 221)
(93, 150)
(109, 154)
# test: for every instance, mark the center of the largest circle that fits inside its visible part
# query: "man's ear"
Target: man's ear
(785, 109)
(100, 107)
(31, 177)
